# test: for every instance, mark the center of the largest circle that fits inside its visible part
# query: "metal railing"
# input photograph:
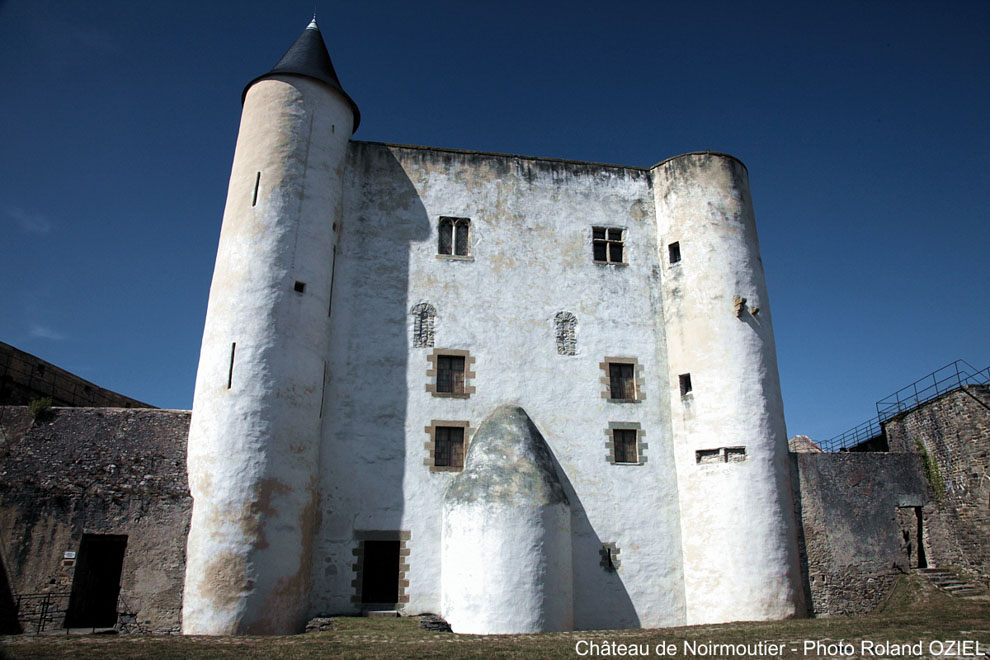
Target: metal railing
(950, 377)
(40, 611)
(35, 612)
(938, 382)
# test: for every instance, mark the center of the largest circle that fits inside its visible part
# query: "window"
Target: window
(447, 445)
(721, 455)
(565, 327)
(610, 557)
(624, 442)
(424, 320)
(454, 238)
(449, 450)
(299, 287)
(450, 373)
(608, 244)
(622, 379)
(685, 381)
(674, 252)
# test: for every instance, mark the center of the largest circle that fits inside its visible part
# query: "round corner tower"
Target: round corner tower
(257, 411)
(730, 443)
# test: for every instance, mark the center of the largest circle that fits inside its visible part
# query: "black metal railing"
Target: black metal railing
(950, 377)
(39, 612)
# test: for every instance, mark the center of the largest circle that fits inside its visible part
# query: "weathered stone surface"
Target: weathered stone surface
(507, 462)
(852, 545)
(97, 471)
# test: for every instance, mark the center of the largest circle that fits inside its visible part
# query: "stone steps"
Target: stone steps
(951, 583)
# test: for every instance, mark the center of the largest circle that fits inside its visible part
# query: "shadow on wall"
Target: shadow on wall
(364, 435)
(8, 610)
(601, 601)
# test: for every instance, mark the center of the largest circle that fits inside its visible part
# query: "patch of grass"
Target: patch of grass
(916, 611)
(932, 473)
(41, 409)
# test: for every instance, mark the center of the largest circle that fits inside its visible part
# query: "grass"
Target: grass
(916, 611)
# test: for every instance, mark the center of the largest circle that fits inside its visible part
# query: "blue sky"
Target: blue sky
(863, 125)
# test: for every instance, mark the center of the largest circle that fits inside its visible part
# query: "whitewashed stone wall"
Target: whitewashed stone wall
(531, 257)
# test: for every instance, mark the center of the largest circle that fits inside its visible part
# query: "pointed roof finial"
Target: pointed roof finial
(308, 57)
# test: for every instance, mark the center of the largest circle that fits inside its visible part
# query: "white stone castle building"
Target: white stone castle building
(526, 394)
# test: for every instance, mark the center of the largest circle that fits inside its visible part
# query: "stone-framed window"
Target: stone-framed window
(450, 373)
(381, 556)
(565, 332)
(720, 455)
(610, 557)
(623, 380)
(454, 237)
(608, 245)
(624, 442)
(447, 445)
(424, 321)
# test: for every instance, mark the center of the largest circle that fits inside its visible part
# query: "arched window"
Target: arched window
(424, 318)
(454, 237)
(565, 325)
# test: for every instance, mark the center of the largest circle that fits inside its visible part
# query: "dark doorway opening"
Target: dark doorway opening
(96, 583)
(380, 579)
(911, 523)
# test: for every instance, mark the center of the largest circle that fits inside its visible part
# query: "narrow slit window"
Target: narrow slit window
(230, 370)
(674, 252)
(257, 184)
(685, 380)
(446, 236)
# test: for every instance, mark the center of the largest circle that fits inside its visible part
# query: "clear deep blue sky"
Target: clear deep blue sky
(864, 126)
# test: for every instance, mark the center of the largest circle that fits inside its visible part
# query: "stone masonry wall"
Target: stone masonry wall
(95, 471)
(24, 378)
(954, 431)
(852, 547)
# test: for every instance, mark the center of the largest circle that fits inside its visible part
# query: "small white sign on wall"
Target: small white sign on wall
(69, 555)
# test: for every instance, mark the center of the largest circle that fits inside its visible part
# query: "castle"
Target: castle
(528, 394)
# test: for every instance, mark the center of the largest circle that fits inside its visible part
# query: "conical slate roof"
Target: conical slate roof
(308, 57)
(508, 462)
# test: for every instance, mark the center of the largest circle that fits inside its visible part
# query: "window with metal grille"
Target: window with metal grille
(450, 374)
(608, 245)
(624, 442)
(622, 381)
(454, 237)
(449, 447)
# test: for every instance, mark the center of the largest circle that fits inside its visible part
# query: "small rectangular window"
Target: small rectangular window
(449, 449)
(685, 380)
(300, 287)
(708, 456)
(622, 380)
(450, 374)
(735, 454)
(674, 252)
(257, 184)
(624, 442)
(608, 245)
